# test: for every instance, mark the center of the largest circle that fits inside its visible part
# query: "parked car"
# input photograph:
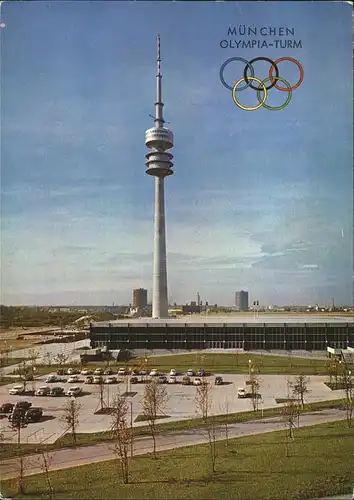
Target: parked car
(97, 380)
(17, 416)
(162, 379)
(98, 371)
(22, 405)
(201, 372)
(17, 390)
(72, 371)
(172, 379)
(122, 371)
(154, 373)
(173, 372)
(186, 380)
(33, 415)
(74, 391)
(89, 379)
(61, 371)
(241, 392)
(6, 407)
(108, 371)
(218, 380)
(74, 379)
(190, 372)
(111, 380)
(52, 378)
(134, 373)
(143, 372)
(44, 390)
(56, 391)
(85, 372)
(197, 381)
(134, 380)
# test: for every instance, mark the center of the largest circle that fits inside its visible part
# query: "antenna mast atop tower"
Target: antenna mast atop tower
(159, 121)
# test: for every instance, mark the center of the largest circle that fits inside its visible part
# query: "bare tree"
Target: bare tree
(48, 357)
(61, 359)
(122, 435)
(289, 413)
(300, 388)
(211, 430)
(347, 382)
(70, 417)
(101, 387)
(203, 400)
(254, 390)
(154, 402)
(33, 357)
(225, 410)
(24, 370)
(45, 459)
(18, 422)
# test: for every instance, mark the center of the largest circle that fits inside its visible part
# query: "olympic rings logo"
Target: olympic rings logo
(262, 88)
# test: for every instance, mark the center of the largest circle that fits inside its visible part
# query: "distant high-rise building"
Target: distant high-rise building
(241, 300)
(140, 297)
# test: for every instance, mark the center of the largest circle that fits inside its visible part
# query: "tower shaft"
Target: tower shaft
(159, 164)
(159, 298)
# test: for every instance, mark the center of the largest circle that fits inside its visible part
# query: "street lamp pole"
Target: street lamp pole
(249, 368)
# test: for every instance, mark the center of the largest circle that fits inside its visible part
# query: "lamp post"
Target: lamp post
(249, 368)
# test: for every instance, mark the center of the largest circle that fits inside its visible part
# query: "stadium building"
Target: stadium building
(266, 332)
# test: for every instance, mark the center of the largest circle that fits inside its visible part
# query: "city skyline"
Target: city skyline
(259, 201)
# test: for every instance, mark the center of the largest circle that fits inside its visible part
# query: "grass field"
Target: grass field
(8, 450)
(218, 363)
(252, 468)
(11, 361)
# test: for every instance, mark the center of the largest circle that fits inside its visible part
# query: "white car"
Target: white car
(74, 379)
(52, 378)
(197, 381)
(98, 371)
(74, 391)
(241, 392)
(97, 379)
(70, 371)
(173, 372)
(17, 389)
(44, 390)
(172, 379)
(154, 372)
(122, 371)
(85, 372)
(110, 380)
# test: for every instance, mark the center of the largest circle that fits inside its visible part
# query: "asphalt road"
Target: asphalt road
(72, 457)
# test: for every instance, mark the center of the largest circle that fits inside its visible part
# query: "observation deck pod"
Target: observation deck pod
(159, 163)
(159, 138)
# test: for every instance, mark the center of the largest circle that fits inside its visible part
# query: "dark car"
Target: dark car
(200, 373)
(218, 381)
(134, 380)
(56, 391)
(23, 405)
(6, 407)
(17, 416)
(162, 379)
(108, 371)
(33, 415)
(61, 371)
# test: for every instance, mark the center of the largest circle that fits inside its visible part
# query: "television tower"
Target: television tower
(158, 163)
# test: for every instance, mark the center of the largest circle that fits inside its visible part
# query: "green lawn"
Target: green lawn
(321, 462)
(8, 450)
(239, 363)
(219, 363)
(8, 361)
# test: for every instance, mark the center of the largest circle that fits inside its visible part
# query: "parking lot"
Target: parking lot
(181, 402)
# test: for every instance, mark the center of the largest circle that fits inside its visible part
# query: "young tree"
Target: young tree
(203, 400)
(71, 415)
(45, 459)
(211, 430)
(48, 358)
(61, 359)
(289, 413)
(254, 388)
(154, 402)
(101, 387)
(24, 370)
(225, 410)
(18, 422)
(300, 388)
(347, 382)
(122, 435)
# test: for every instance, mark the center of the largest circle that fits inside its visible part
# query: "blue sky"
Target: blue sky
(261, 200)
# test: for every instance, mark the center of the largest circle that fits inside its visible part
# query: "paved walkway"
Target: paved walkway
(72, 457)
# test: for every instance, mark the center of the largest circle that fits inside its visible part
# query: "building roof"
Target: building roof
(233, 319)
